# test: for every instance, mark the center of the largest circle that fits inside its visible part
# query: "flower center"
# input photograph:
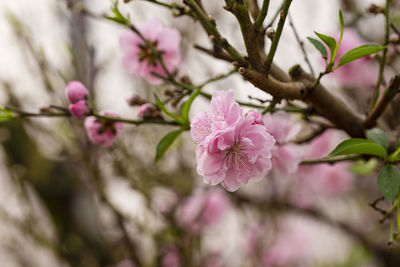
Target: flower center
(147, 54)
(106, 124)
(235, 154)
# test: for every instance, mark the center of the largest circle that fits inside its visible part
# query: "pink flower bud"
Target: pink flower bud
(135, 100)
(76, 91)
(258, 119)
(102, 132)
(79, 109)
(148, 112)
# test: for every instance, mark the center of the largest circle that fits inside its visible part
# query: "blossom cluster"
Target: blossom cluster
(101, 131)
(232, 148)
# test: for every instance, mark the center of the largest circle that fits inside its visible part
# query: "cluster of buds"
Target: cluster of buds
(77, 95)
(147, 111)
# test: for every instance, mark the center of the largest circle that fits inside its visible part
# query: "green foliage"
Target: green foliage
(6, 115)
(330, 42)
(165, 143)
(363, 167)
(379, 137)
(333, 57)
(319, 46)
(118, 17)
(358, 146)
(389, 182)
(359, 52)
(175, 117)
(186, 106)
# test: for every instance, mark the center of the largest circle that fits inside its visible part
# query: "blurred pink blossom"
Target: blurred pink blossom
(252, 238)
(138, 58)
(359, 73)
(202, 209)
(285, 157)
(170, 257)
(232, 149)
(325, 179)
(79, 109)
(289, 249)
(148, 111)
(76, 91)
(101, 131)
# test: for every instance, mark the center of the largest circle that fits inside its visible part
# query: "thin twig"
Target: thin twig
(383, 59)
(329, 160)
(301, 44)
(380, 107)
(263, 14)
(278, 33)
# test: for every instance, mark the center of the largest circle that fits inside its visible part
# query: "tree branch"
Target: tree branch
(380, 107)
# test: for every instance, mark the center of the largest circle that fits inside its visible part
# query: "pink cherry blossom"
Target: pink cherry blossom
(235, 154)
(138, 58)
(224, 111)
(232, 149)
(285, 157)
(257, 117)
(101, 131)
(76, 91)
(202, 209)
(359, 73)
(79, 109)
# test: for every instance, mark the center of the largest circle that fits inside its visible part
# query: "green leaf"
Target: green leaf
(363, 167)
(358, 146)
(6, 115)
(379, 137)
(389, 182)
(165, 143)
(186, 106)
(118, 17)
(319, 46)
(177, 118)
(329, 41)
(333, 57)
(359, 52)
(341, 22)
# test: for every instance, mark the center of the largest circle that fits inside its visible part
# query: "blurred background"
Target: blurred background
(66, 202)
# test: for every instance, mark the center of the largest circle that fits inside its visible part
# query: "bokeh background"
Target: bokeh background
(65, 202)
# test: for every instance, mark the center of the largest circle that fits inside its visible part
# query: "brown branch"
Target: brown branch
(239, 9)
(329, 106)
(384, 101)
(270, 85)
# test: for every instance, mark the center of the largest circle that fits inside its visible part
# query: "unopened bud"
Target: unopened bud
(135, 100)
(375, 9)
(241, 70)
(149, 112)
(394, 38)
(44, 110)
(270, 33)
(213, 39)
